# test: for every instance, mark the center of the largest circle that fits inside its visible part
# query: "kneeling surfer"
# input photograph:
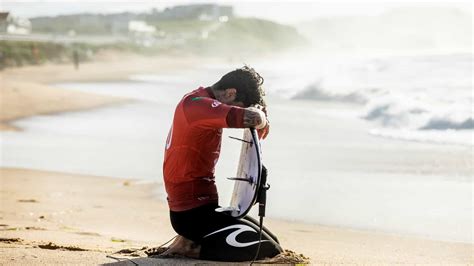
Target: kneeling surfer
(191, 153)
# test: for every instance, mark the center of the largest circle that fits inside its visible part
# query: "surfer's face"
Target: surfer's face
(239, 104)
(228, 97)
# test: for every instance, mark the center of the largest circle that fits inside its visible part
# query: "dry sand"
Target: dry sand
(99, 216)
(23, 99)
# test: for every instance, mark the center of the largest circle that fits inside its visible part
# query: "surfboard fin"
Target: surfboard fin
(249, 142)
(241, 179)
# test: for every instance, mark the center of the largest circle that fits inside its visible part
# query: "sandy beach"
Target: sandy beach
(62, 218)
(24, 91)
(99, 216)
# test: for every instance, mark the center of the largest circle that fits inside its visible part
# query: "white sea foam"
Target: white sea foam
(448, 136)
(400, 94)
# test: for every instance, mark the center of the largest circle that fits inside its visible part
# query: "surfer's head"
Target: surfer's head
(242, 86)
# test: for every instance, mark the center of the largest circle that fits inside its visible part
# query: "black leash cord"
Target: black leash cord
(259, 242)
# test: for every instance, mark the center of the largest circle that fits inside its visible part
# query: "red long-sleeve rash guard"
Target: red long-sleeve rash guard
(193, 147)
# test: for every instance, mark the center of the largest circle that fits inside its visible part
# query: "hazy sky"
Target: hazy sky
(282, 11)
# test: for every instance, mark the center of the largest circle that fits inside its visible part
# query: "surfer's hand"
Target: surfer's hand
(263, 133)
(261, 108)
(254, 117)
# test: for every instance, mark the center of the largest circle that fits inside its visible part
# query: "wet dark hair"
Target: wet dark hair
(248, 84)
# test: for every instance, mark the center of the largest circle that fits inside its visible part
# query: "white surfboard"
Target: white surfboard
(247, 180)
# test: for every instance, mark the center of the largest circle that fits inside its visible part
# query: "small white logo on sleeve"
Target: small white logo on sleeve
(215, 103)
(231, 239)
(169, 138)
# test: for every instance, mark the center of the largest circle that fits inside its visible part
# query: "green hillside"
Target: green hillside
(234, 37)
(237, 35)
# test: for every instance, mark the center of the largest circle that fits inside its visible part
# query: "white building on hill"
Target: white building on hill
(10, 24)
(141, 32)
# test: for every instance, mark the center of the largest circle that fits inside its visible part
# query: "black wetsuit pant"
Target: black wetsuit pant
(223, 237)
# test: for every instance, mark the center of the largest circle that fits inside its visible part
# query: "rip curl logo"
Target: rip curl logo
(231, 239)
(215, 104)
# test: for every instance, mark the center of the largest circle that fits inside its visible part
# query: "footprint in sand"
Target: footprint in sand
(34, 228)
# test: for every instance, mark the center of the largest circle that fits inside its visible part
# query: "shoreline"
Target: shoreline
(101, 215)
(26, 91)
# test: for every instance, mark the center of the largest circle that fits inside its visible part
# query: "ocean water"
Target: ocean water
(332, 159)
(419, 98)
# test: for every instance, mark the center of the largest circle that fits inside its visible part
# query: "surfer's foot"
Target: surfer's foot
(183, 247)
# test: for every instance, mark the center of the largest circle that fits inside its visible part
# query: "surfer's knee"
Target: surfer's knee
(238, 242)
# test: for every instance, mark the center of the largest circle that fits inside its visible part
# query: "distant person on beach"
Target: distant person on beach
(75, 57)
(191, 153)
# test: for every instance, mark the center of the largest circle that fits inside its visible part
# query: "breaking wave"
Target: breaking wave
(413, 97)
(409, 113)
(442, 124)
(315, 92)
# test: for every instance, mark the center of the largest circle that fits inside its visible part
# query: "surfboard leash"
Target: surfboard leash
(262, 201)
(259, 242)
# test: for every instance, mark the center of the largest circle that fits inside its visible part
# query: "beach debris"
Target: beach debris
(41, 217)
(67, 228)
(117, 240)
(34, 228)
(127, 183)
(132, 252)
(155, 251)
(23, 228)
(10, 240)
(87, 233)
(125, 251)
(28, 200)
(53, 246)
(286, 257)
(3, 225)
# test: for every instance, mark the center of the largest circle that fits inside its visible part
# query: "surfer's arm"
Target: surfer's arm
(208, 112)
(254, 117)
(248, 117)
